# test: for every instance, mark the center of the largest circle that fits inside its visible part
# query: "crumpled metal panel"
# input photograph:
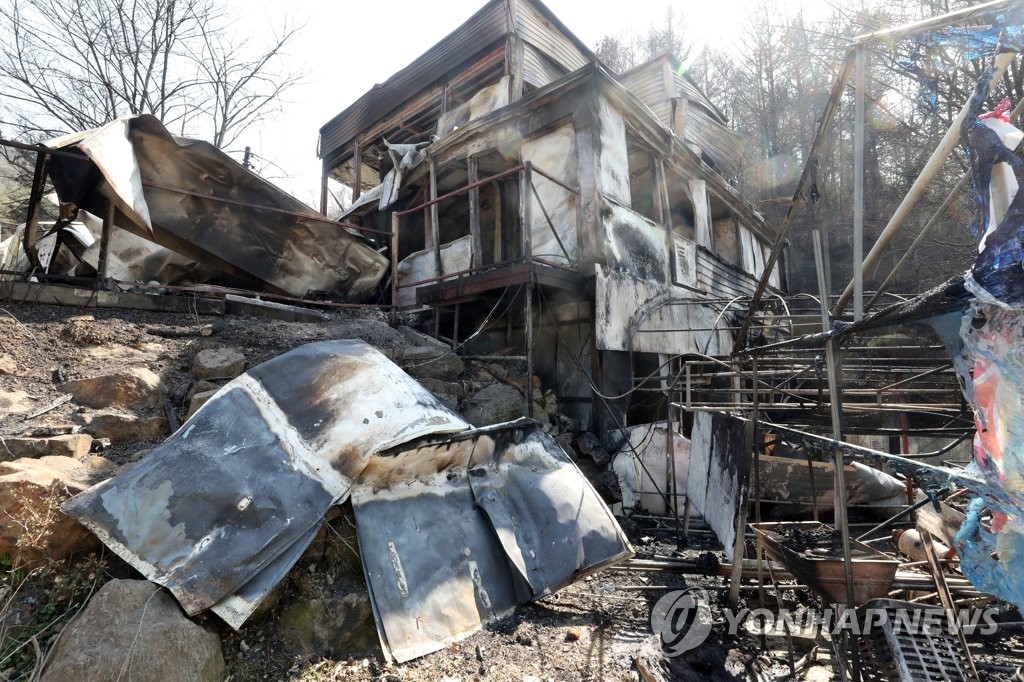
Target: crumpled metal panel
(435, 569)
(190, 197)
(552, 524)
(254, 470)
(456, 533)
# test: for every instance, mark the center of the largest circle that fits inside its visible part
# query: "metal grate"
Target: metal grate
(889, 652)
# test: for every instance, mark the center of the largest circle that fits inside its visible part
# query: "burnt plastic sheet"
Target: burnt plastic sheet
(239, 490)
(454, 534)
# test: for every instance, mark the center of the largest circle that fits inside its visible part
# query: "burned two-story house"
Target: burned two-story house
(537, 206)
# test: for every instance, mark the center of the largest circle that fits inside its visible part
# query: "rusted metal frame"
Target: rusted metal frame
(525, 215)
(931, 23)
(35, 197)
(931, 168)
(832, 360)
(932, 221)
(547, 176)
(472, 177)
(930, 372)
(462, 190)
(858, 181)
(739, 541)
(432, 219)
(946, 598)
(352, 226)
(831, 107)
(550, 223)
(671, 485)
(41, 149)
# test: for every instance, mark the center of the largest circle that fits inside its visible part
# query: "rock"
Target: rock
(82, 330)
(198, 400)
(31, 491)
(335, 627)
(493, 404)
(523, 635)
(14, 402)
(71, 445)
(417, 338)
(218, 363)
(436, 386)
(123, 428)
(587, 441)
(431, 362)
(134, 630)
(48, 430)
(600, 456)
(7, 364)
(136, 387)
(572, 634)
(202, 387)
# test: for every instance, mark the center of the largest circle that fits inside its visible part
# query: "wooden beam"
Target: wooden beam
(473, 173)
(52, 294)
(104, 257)
(357, 172)
(31, 234)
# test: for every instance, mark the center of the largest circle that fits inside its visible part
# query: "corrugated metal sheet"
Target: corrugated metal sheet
(248, 478)
(455, 533)
(484, 27)
(542, 32)
(192, 198)
(538, 25)
(724, 147)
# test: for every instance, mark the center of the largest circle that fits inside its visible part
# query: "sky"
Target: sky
(346, 47)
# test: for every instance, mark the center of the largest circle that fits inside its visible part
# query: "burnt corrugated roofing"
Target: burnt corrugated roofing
(489, 24)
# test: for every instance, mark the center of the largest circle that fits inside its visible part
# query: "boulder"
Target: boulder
(136, 387)
(7, 364)
(14, 402)
(134, 630)
(432, 362)
(125, 428)
(494, 404)
(70, 445)
(436, 386)
(218, 363)
(31, 492)
(198, 400)
(334, 626)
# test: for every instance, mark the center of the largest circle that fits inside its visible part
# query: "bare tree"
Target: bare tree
(69, 65)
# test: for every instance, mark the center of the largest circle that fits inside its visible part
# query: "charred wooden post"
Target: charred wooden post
(104, 257)
(476, 239)
(35, 198)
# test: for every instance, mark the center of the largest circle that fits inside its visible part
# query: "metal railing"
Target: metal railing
(431, 220)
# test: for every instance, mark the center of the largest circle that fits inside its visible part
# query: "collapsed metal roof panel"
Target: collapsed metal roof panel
(454, 534)
(255, 469)
(193, 199)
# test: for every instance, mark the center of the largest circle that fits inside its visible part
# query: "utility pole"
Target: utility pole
(247, 159)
